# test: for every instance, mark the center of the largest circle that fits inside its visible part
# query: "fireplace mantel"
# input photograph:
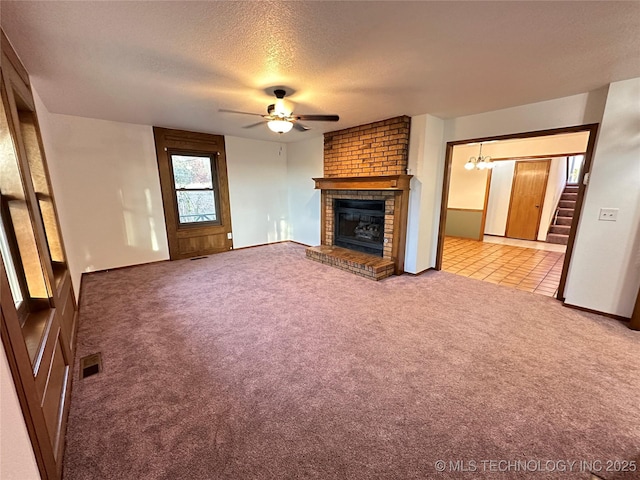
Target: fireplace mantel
(393, 189)
(383, 182)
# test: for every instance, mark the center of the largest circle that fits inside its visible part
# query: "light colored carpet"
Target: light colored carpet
(261, 364)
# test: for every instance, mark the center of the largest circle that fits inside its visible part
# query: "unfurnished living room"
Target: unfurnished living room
(319, 240)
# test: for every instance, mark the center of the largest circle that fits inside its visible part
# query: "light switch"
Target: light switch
(608, 214)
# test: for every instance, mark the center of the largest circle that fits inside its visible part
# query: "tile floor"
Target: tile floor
(528, 269)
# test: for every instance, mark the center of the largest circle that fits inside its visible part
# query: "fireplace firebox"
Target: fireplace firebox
(359, 225)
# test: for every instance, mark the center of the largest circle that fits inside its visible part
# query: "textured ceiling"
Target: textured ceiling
(174, 64)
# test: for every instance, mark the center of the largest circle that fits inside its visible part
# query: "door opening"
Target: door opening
(466, 194)
(195, 192)
(527, 198)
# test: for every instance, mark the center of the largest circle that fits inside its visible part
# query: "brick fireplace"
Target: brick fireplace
(367, 163)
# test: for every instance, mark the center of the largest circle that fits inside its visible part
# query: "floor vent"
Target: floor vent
(197, 258)
(90, 365)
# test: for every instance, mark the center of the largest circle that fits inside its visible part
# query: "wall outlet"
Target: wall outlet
(608, 214)
(229, 235)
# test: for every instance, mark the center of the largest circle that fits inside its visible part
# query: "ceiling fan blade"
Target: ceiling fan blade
(300, 127)
(254, 124)
(318, 118)
(236, 111)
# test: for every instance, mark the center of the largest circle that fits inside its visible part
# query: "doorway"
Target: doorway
(527, 198)
(529, 214)
(195, 192)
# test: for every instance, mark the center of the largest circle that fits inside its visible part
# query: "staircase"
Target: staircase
(559, 230)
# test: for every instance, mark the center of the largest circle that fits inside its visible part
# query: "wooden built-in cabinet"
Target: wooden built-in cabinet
(38, 312)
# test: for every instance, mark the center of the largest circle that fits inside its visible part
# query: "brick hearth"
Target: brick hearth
(369, 266)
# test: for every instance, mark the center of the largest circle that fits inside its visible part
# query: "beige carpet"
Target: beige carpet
(260, 364)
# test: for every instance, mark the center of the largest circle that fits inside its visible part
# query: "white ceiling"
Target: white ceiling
(174, 64)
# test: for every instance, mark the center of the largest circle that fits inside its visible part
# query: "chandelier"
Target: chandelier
(479, 162)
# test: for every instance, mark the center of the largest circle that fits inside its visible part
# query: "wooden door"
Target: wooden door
(37, 307)
(195, 192)
(527, 196)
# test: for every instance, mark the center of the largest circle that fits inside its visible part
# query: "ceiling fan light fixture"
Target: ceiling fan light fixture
(280, 126)
(282, 108)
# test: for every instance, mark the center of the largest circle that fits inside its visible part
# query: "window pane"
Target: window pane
(9, 266)
(191, 172)
(40, 184)
(19, 219)
(196, 206)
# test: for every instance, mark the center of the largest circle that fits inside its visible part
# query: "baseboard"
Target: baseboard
(118, 268)
(271, 243)
(589, 310)
(420, 272)
(299, 243)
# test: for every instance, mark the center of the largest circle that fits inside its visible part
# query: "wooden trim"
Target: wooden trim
(541, 201)
(384, 182)
(401, 214)
(483, 222)
(597, 312)
(21, 371)
(532, 134)
(124, 267)
(635, 316)
(446, 179)
(297, 243)
(586, 168)
(465, 209)
(536, 157)
(592, 128)
(12, 57)
(31, 375)
(323, 218)
(272, 243)
(168, 141)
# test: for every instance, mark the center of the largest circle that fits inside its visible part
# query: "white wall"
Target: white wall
(499, 198)
(105, 181)
(605, 270)
(426, 164)
(257, 191)
(467, 188)
(305, 160)
(17, 460)
(562, 112)
(555, 186)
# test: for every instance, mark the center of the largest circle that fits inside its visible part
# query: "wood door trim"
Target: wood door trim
(635, 316)
(483, 222)
(537, 157)
(586, 168)
(21, 370)
(541, 200)
(168, 142)
(592, 128)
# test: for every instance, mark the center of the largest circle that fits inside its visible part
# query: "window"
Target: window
(574, 166)
(10, 268)
(195, 188)
(195, 192)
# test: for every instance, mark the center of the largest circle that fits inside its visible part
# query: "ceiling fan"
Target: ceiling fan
(280, 117)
